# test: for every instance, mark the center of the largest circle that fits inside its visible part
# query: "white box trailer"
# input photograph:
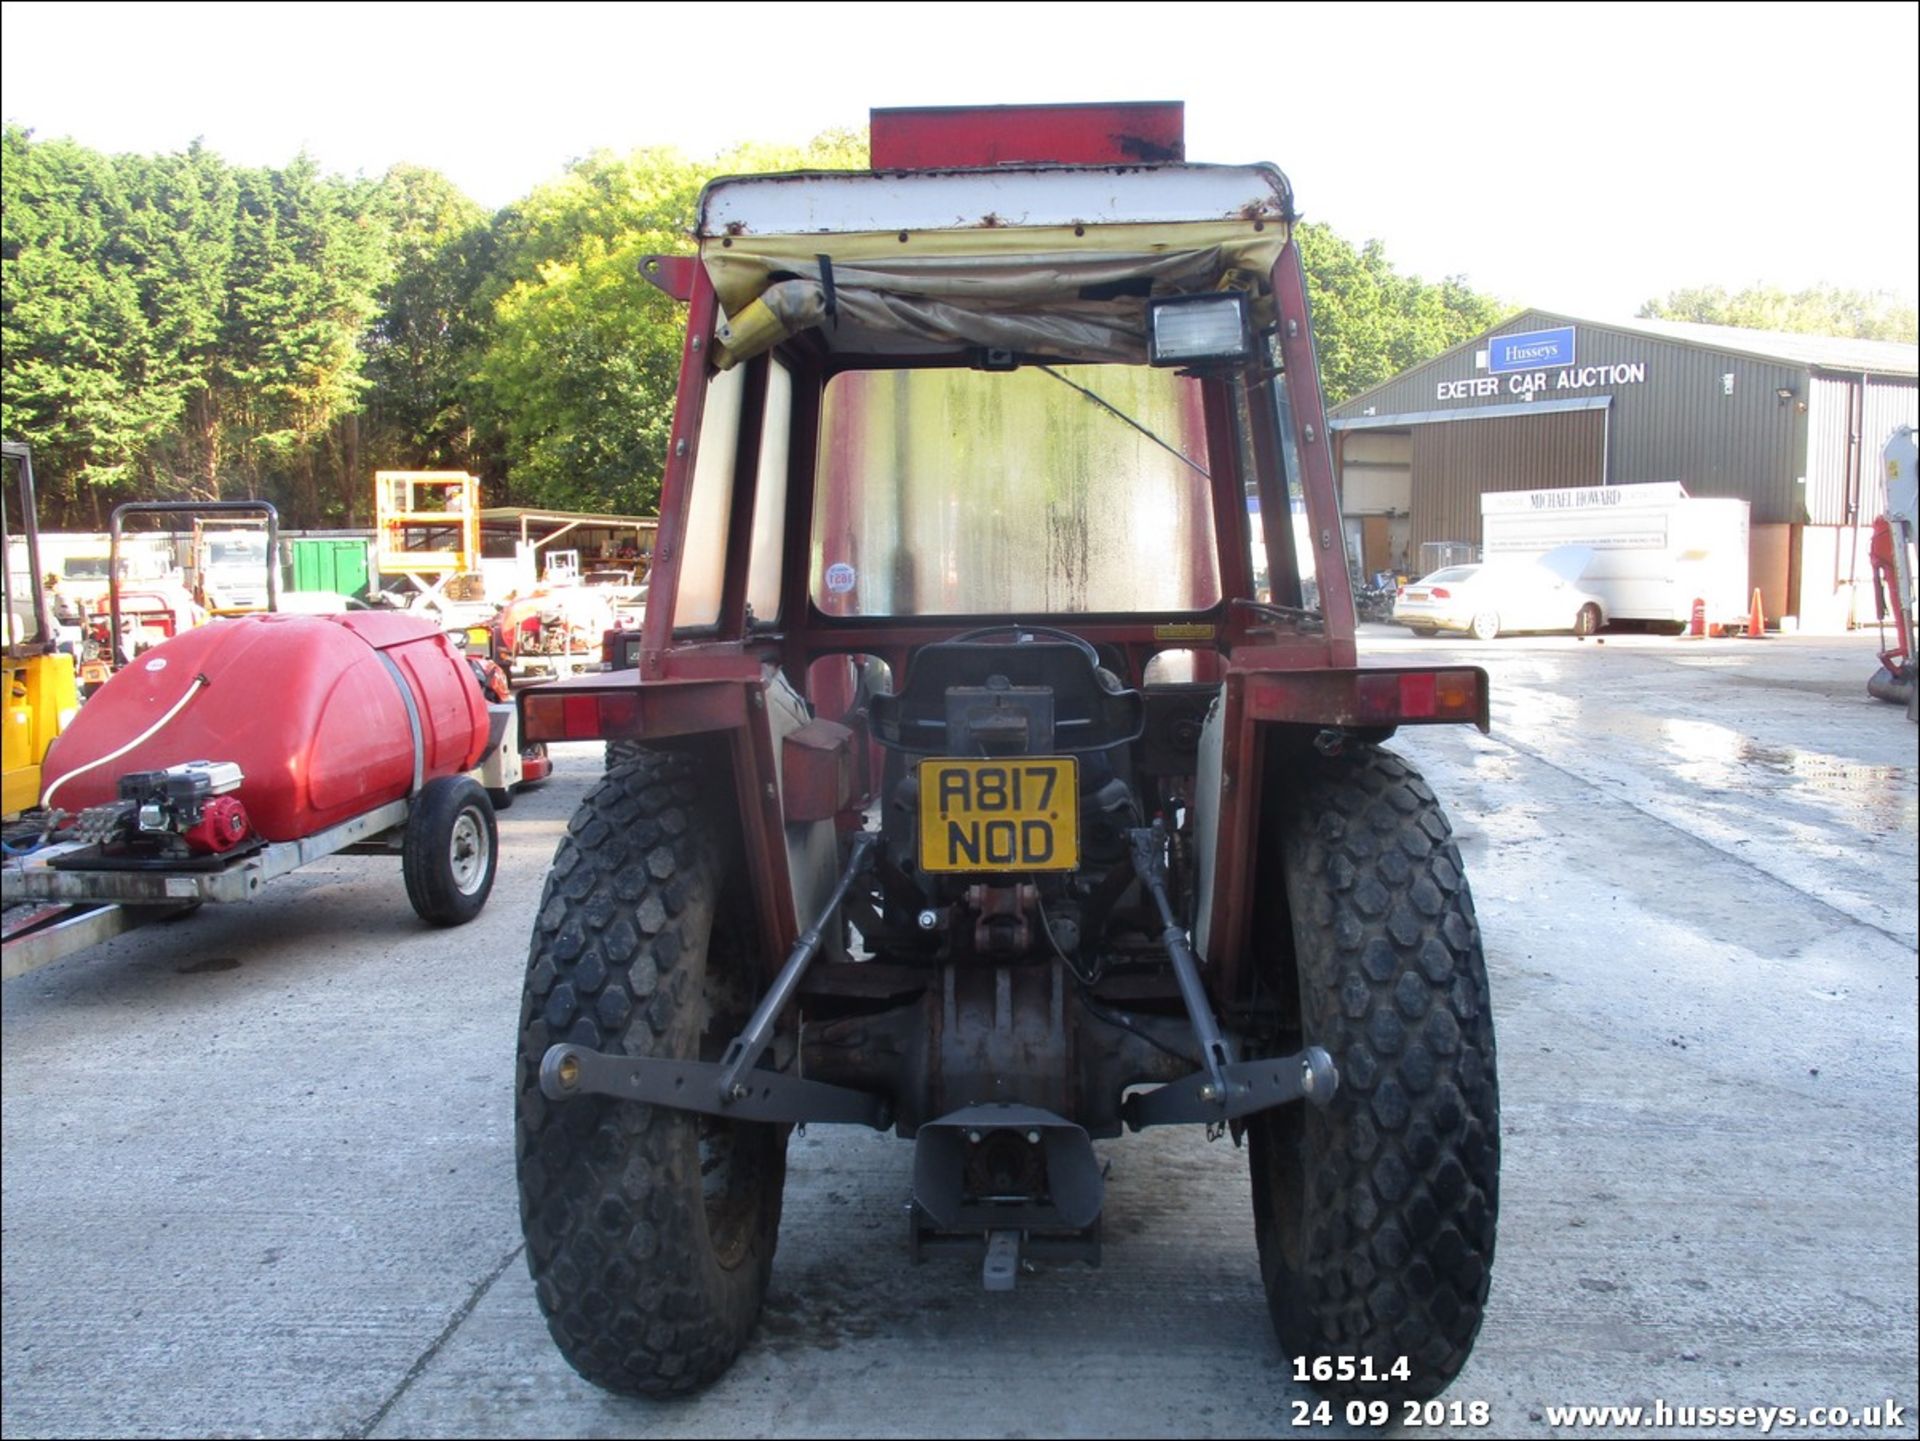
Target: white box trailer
(1656, 549)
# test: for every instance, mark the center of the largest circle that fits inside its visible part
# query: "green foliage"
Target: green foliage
(310, 253)
(421, 346)
(1820, 310)
(577, 371)
(1370, 322)
(577, 374)
(175, 326)
(75, 333)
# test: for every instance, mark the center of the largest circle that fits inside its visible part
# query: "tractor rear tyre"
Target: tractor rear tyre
(620, 753)
(650, 1232)
(1376, 1216)
(450, 851)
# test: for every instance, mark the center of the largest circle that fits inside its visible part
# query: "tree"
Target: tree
(1370, 322)
(1818, 310)
(581, 357)
(74, 333)
(426, 336)
(310, 254)
(177, 237)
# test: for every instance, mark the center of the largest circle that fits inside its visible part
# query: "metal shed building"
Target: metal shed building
(1792, 424)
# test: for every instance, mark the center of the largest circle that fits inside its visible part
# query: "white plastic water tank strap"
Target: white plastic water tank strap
(413, 720)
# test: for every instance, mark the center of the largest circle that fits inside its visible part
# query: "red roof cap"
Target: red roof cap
(963, 137)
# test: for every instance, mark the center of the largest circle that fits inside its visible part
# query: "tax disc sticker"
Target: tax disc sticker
(840, 578)
(159, 662)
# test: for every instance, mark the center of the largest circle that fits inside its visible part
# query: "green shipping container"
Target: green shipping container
(336, 565)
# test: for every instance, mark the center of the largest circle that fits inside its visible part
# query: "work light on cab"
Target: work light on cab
(1199, 330)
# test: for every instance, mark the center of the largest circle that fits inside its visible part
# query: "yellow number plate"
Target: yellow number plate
(1017, 814)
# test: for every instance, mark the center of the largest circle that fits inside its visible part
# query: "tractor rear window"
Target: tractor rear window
(1048, 490)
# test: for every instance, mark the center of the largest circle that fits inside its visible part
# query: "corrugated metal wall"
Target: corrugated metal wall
(1829, 423)
(1456, 462)
(1889, 404)
(1682, 422)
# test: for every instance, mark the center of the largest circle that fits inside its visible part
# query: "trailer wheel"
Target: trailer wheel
(1376, 1217)
(450, 851)
(650, 1232)
(1588, 621)
(1486, 625)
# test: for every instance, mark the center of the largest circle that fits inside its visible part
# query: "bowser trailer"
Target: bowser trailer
(969, 787)
(238, 751)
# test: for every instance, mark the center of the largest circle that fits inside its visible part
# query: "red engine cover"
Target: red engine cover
(223, 825)
(306, 705)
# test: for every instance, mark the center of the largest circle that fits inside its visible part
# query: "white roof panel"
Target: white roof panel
(857, 202)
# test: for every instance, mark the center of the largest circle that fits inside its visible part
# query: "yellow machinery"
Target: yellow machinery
(41, 695)
(426, 527)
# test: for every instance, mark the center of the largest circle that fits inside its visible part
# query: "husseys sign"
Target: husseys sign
(1537, 360)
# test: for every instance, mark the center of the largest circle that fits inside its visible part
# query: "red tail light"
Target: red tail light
(1440, 592)
(1399, 592)
(1370, 697)
(590, 715)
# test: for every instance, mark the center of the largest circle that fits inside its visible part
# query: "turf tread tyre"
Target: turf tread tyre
(620, 753)
(449, 810)
(638, 1293)
(1376, 1217)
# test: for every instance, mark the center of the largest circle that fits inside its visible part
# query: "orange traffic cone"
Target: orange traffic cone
(1757, 618)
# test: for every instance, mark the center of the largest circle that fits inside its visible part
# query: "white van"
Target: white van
(81, 562)
(1656, 549)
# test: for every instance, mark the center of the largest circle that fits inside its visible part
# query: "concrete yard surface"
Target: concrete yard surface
(258, 1163)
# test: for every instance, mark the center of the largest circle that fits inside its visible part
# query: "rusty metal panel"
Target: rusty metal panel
(742, 219)
(1455, 463)
(932, 137)
(816, 771)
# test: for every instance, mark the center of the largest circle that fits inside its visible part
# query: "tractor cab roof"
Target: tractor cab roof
(1045, 261)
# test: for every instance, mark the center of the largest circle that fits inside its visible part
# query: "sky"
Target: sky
(1577, 158)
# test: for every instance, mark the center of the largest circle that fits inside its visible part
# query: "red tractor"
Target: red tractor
(980, 781)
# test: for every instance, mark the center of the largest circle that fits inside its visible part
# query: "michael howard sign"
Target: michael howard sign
(1535, 350)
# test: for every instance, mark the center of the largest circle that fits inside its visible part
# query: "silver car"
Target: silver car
(1503, 595)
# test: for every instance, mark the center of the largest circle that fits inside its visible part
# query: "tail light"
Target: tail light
(1440, 592)
(1415, 696)
(1399, 592)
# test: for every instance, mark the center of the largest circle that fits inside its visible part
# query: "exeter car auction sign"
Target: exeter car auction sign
(1534, 361)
